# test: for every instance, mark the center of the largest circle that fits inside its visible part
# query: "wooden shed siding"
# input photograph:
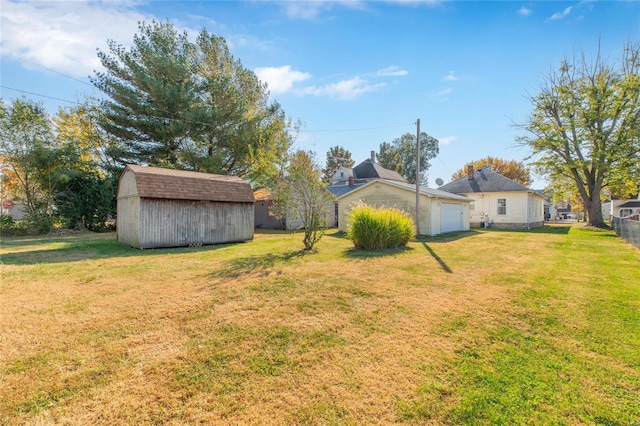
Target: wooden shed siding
(128, 210)
(173, 223)
(128, 219)
(383, 195)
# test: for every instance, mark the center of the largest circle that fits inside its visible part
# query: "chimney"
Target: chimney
(350, 180)
(470, 172)
(373, 156)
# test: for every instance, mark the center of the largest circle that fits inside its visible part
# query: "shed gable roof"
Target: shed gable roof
(484, 180)
(155, 182)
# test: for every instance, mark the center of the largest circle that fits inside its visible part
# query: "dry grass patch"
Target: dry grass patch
(472, 328)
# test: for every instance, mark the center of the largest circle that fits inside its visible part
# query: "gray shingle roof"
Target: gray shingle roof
(484, 180)
(154, 182)
(371, 170)
(630, 204)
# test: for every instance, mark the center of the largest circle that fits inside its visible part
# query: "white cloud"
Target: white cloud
(524, 11)
(392, 71)
(309, 10)
(560, 15)
(450, 77)
(280, 80)
(343, 90)
(447, 140)
(64, 36)
(442, 93)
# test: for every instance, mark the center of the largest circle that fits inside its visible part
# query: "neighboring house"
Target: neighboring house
(564, 209)
(498, 201)
(170, 208)
(440, 211)
(342, 175)
(549, 209)
(364, 172)
(625, 207)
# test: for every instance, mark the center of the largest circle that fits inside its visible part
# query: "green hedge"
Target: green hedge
(373, 228)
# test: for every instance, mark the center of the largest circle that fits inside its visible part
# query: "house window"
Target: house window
(472, 205)
(502, 206)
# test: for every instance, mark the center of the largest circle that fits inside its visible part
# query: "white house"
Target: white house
(625, 207)
(498, 201)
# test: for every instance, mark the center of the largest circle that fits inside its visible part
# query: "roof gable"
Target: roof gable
(429, 192)
(155, 182)
(371, 170)
(484, 180)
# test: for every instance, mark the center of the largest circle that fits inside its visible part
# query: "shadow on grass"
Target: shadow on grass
(259, 264)
(365, 254)
(437, 258)
(85, 247)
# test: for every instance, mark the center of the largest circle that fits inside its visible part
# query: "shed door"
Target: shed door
(450, 217)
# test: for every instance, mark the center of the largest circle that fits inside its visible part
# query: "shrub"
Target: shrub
(373, 228)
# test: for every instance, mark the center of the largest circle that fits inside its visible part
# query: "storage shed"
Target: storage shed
(171, 208)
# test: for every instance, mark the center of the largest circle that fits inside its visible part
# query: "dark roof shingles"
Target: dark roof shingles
(484, 180)
(371, 170)
(154, 182)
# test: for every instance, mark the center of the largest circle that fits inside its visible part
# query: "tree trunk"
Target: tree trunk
(593, 209)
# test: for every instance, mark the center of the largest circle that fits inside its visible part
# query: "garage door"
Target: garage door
(450, 217)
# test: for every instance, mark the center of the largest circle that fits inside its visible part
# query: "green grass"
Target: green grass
(481, 327)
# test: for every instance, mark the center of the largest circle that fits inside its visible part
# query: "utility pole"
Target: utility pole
(418, 178)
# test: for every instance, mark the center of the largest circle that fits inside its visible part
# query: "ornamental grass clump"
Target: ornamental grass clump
(371, 228)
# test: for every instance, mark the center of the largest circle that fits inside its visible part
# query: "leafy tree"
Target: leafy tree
(514, 170)
(88, 197)
(400, 155)
(97, 151)
(183, 104)
(337, 157)
(151, 88)
(585, 126)
(302, 194)
(88, 201)
(30, 155)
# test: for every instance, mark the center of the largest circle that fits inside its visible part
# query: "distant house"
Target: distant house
(498, 201)
(364, 172)
(170, 208)
(625, 207)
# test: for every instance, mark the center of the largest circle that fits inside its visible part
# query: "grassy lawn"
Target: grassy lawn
(484, 327)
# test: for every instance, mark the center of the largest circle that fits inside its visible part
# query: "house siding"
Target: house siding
(520, 206)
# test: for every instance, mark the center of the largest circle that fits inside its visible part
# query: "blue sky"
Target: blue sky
(355, 73)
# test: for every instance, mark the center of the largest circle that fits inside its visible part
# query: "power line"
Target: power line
(355, 130)
(62, 74)
(41, 95)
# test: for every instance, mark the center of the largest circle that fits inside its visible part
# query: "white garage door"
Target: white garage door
(450, 217)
